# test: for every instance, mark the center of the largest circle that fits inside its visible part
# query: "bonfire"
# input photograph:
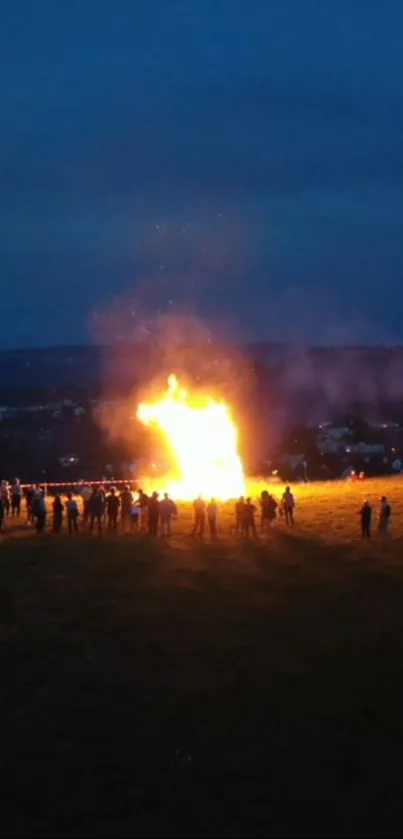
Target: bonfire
(203, 441)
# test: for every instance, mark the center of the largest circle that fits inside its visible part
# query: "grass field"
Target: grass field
(231, 687)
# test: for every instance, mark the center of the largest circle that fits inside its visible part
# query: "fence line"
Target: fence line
(77, 484)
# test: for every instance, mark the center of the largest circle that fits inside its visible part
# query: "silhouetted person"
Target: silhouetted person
(167, 512)
(72, 513)
(102, 493)
(366, 518)
(268, 507)
(212, 517)
(384, 516)
(2, 513)
(29, 495)
(16, 496)
(136, 513)
(272, 510)
(58, 507)
(288, 502)
(126, 501)
(41, 513)
(199, 506)
(112, 509)
(5, 495)
(239, 508)
(96, 510)
(143, 501)
(153, 514)
(86, 495)
(248, 518)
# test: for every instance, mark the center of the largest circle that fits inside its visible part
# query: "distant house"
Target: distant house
(69, 460)
(339, 440)
(333, 439)
(7, 412)
(365, 448)
(390, 426)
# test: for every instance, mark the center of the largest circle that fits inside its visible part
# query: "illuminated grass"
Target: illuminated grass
(230, 688)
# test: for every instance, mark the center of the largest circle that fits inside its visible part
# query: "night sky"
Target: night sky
(237, 161)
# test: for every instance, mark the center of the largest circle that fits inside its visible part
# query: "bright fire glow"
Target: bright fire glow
(203, 439)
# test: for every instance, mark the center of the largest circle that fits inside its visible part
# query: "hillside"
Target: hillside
(51, 400)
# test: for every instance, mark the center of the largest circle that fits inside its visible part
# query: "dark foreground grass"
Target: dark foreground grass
(201, 690)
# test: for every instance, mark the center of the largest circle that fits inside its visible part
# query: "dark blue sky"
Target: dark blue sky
(241, 160)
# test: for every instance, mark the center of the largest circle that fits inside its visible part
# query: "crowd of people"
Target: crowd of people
(131, 511)
(94, 508)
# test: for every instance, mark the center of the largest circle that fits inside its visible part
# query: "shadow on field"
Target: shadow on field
(229, 688)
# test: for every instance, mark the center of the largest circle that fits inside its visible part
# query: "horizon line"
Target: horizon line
(297, 345)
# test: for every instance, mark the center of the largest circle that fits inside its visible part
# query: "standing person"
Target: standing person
(16, 495)
(29, 495)
(126, 501)
(86, 495)
(167, 511)
(288, 501)
(102, 495)
(212, 510)
(58, 508)
(268, 509)
(2, 513)
(37, 491)
(40, 512)
(199, 506)
(248, 518)
(36, 497)
(384, 516)
(153, 514)
(112, 509)
(72, 513)
(272, 510)
(239, 508)
(35, 505)
(263, 508)
(96, 510)
(366, 518)
(143, 501)
(5, 495)
(136, 515)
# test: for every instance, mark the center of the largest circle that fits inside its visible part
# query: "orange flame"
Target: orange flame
(204, 440)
